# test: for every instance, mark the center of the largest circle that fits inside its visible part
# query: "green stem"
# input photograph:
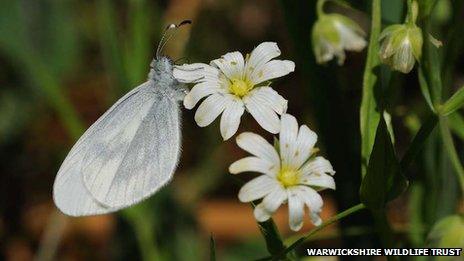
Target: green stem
(320, 8)
(311, 233)
(412, 13)
(451, 149)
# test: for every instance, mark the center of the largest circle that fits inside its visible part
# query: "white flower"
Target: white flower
(334, 33)
(232, 84)
(292, 174)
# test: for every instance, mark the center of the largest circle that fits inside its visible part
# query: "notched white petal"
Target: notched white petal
(258, 146)
(263, 114)
(257, 188)
(318, 165)
(271, 70)
(287, 138)
(274, 199)
(295, 211)
(230, 119)
(261, 214)
(196, 72)
(231, 64)
(210, 109)
(199, 91)
(319, 180)
(253, 164)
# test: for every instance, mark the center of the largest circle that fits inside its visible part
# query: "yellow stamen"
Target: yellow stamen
(240, 87)
(288, 177)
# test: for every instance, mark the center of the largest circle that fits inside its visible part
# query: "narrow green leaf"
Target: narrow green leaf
(384, 180)
(456, 124)
(454, 103)
(369, 112)
(425, 89)
(212, 248)
(419, 141)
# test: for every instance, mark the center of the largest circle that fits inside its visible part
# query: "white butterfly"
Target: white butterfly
(130, 152)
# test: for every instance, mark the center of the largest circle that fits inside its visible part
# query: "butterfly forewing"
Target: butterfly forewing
(139, 160)
(126, 155)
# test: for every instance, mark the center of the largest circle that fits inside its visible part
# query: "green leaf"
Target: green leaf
(370, 113)
(425, 89)
(447, 233)
(419, 141)
(456, 124)
(454, 103)
(384, 180)
(212, 248)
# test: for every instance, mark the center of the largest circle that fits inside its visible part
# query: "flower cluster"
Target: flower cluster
(291, 172)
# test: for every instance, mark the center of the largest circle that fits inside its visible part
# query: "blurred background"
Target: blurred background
(64, 62)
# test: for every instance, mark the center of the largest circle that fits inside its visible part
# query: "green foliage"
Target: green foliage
(384, 180)
(454, 103)
(370, 111)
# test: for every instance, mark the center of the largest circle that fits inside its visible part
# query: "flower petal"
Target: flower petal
(319, 180)
(274, 199)
(310, 197)
(257, 188)
(295, 210)
(261, 214)
(317, 165)
(271, 70)
(230, 119)
(195, 72)
(287, 138)
(269, 97)
(262, 54)
(253, 164)
(199, 91)
(258, 146)
(231, 64)
(210, 109)
(304, 145)
(263, 114)
(350, 39)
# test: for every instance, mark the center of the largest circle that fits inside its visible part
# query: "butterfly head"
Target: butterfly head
(161, 65)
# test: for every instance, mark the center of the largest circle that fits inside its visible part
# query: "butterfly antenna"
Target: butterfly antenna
(165, 38)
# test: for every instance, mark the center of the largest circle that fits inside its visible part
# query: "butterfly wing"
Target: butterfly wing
(69, 192)
(122, 169)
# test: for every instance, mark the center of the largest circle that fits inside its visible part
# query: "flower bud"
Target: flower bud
(401, 46)
(334, 33)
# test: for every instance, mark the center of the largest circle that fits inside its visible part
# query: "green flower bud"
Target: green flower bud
(447, 233)
(401, 46)
(334, 33)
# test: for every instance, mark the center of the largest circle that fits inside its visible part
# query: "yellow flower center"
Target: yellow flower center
(240, 87)
(288, 177)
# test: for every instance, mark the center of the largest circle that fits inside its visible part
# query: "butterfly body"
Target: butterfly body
(129, 153)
